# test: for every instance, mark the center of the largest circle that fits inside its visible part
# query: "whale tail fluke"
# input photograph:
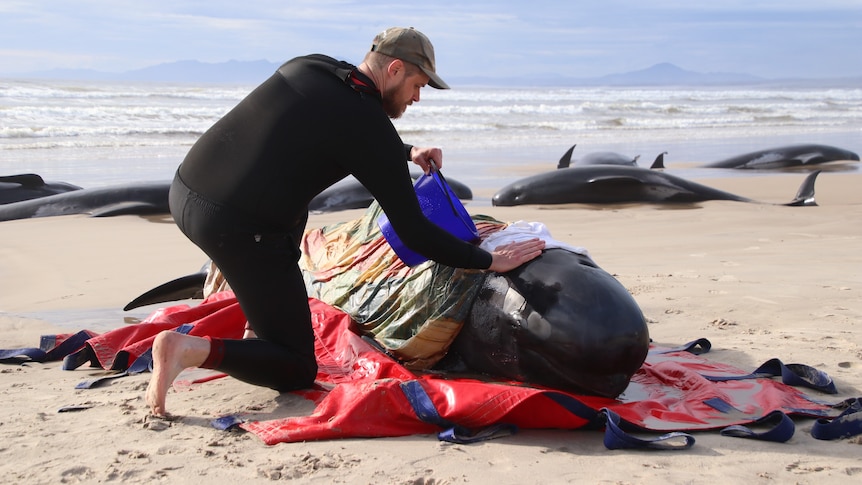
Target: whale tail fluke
(805, 194)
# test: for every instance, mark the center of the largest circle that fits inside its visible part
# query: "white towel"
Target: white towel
(522, 231)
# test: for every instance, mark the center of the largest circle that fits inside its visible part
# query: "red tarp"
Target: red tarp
(364, 393)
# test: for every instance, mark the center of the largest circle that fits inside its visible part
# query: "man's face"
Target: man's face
(403, 93)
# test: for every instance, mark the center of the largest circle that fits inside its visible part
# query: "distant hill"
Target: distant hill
(666, 73)
(239, 72)
(663, 74)
(253, 72)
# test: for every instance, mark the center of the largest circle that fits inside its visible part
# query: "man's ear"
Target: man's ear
(395, 67)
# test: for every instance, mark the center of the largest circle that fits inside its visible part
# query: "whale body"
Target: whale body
(611, 184)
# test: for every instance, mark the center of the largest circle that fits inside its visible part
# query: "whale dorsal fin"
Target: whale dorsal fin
(566, 159)
(659, 161)
(25, 179)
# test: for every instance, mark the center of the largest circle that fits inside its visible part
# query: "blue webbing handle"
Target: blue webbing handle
(452, 433)
(617, 439)
(696, 347)
(782, 428)
(791, 374)
(65, 348)
(845, 425)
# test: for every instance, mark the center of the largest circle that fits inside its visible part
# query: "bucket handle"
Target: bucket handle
(441, 181)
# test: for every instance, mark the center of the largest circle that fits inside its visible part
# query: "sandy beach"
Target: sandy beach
(760, 281)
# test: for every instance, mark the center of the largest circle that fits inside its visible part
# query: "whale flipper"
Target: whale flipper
(127, 208)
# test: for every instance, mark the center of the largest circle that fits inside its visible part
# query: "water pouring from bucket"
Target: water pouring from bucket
(441, 206)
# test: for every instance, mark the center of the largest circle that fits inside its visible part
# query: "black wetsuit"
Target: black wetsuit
(242, 193)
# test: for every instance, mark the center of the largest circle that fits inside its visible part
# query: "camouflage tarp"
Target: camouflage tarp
(415, 312)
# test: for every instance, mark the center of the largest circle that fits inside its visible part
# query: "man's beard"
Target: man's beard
(391, 107)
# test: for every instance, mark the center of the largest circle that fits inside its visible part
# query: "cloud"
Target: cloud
(495, 38)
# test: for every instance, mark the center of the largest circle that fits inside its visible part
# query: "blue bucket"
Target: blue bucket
(442, 207)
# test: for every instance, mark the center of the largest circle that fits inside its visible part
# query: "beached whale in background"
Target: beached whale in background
(152, 198)
(787, 157)
(596, 158)
(605, 158)
(26, 186)
(138, 198)
(560, 321)
(612, 184)
(350, 194)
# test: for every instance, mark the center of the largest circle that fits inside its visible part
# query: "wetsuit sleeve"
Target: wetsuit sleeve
(407, 150)
(381, 169)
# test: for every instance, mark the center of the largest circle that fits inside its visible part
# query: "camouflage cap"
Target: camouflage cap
(410, 45)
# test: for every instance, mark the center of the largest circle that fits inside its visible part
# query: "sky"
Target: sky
(501, 38)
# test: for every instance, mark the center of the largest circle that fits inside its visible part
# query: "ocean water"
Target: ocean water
(96, 134)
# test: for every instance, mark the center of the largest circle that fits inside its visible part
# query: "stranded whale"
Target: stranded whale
(56, 199)
(605, 158)
(27, 186)
(138, 198)
(787, 157)
(610, 184)
(559, 321)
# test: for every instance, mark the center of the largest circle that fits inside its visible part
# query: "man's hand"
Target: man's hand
(423, 157)
(509, 256)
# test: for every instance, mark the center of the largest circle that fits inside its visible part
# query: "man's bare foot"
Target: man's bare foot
(172, 352)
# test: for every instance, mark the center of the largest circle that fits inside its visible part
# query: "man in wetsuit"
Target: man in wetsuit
(242, 193)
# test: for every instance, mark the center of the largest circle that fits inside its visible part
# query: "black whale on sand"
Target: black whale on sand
(791, 156)
(27, 186)
(559, 321)
(137, 198)
(611, 184)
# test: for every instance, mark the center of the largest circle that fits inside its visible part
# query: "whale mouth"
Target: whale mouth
(556, 373)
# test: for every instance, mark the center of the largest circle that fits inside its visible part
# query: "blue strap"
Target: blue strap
(12, 356)
(617, 439)
(226, 423)
(594, 419)
(455, 434)
(91, 383)
(452, 433)
(696, 347)
(47, 351)
(791, 374)
(79, 358)
(781, 428)
(845, 425)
